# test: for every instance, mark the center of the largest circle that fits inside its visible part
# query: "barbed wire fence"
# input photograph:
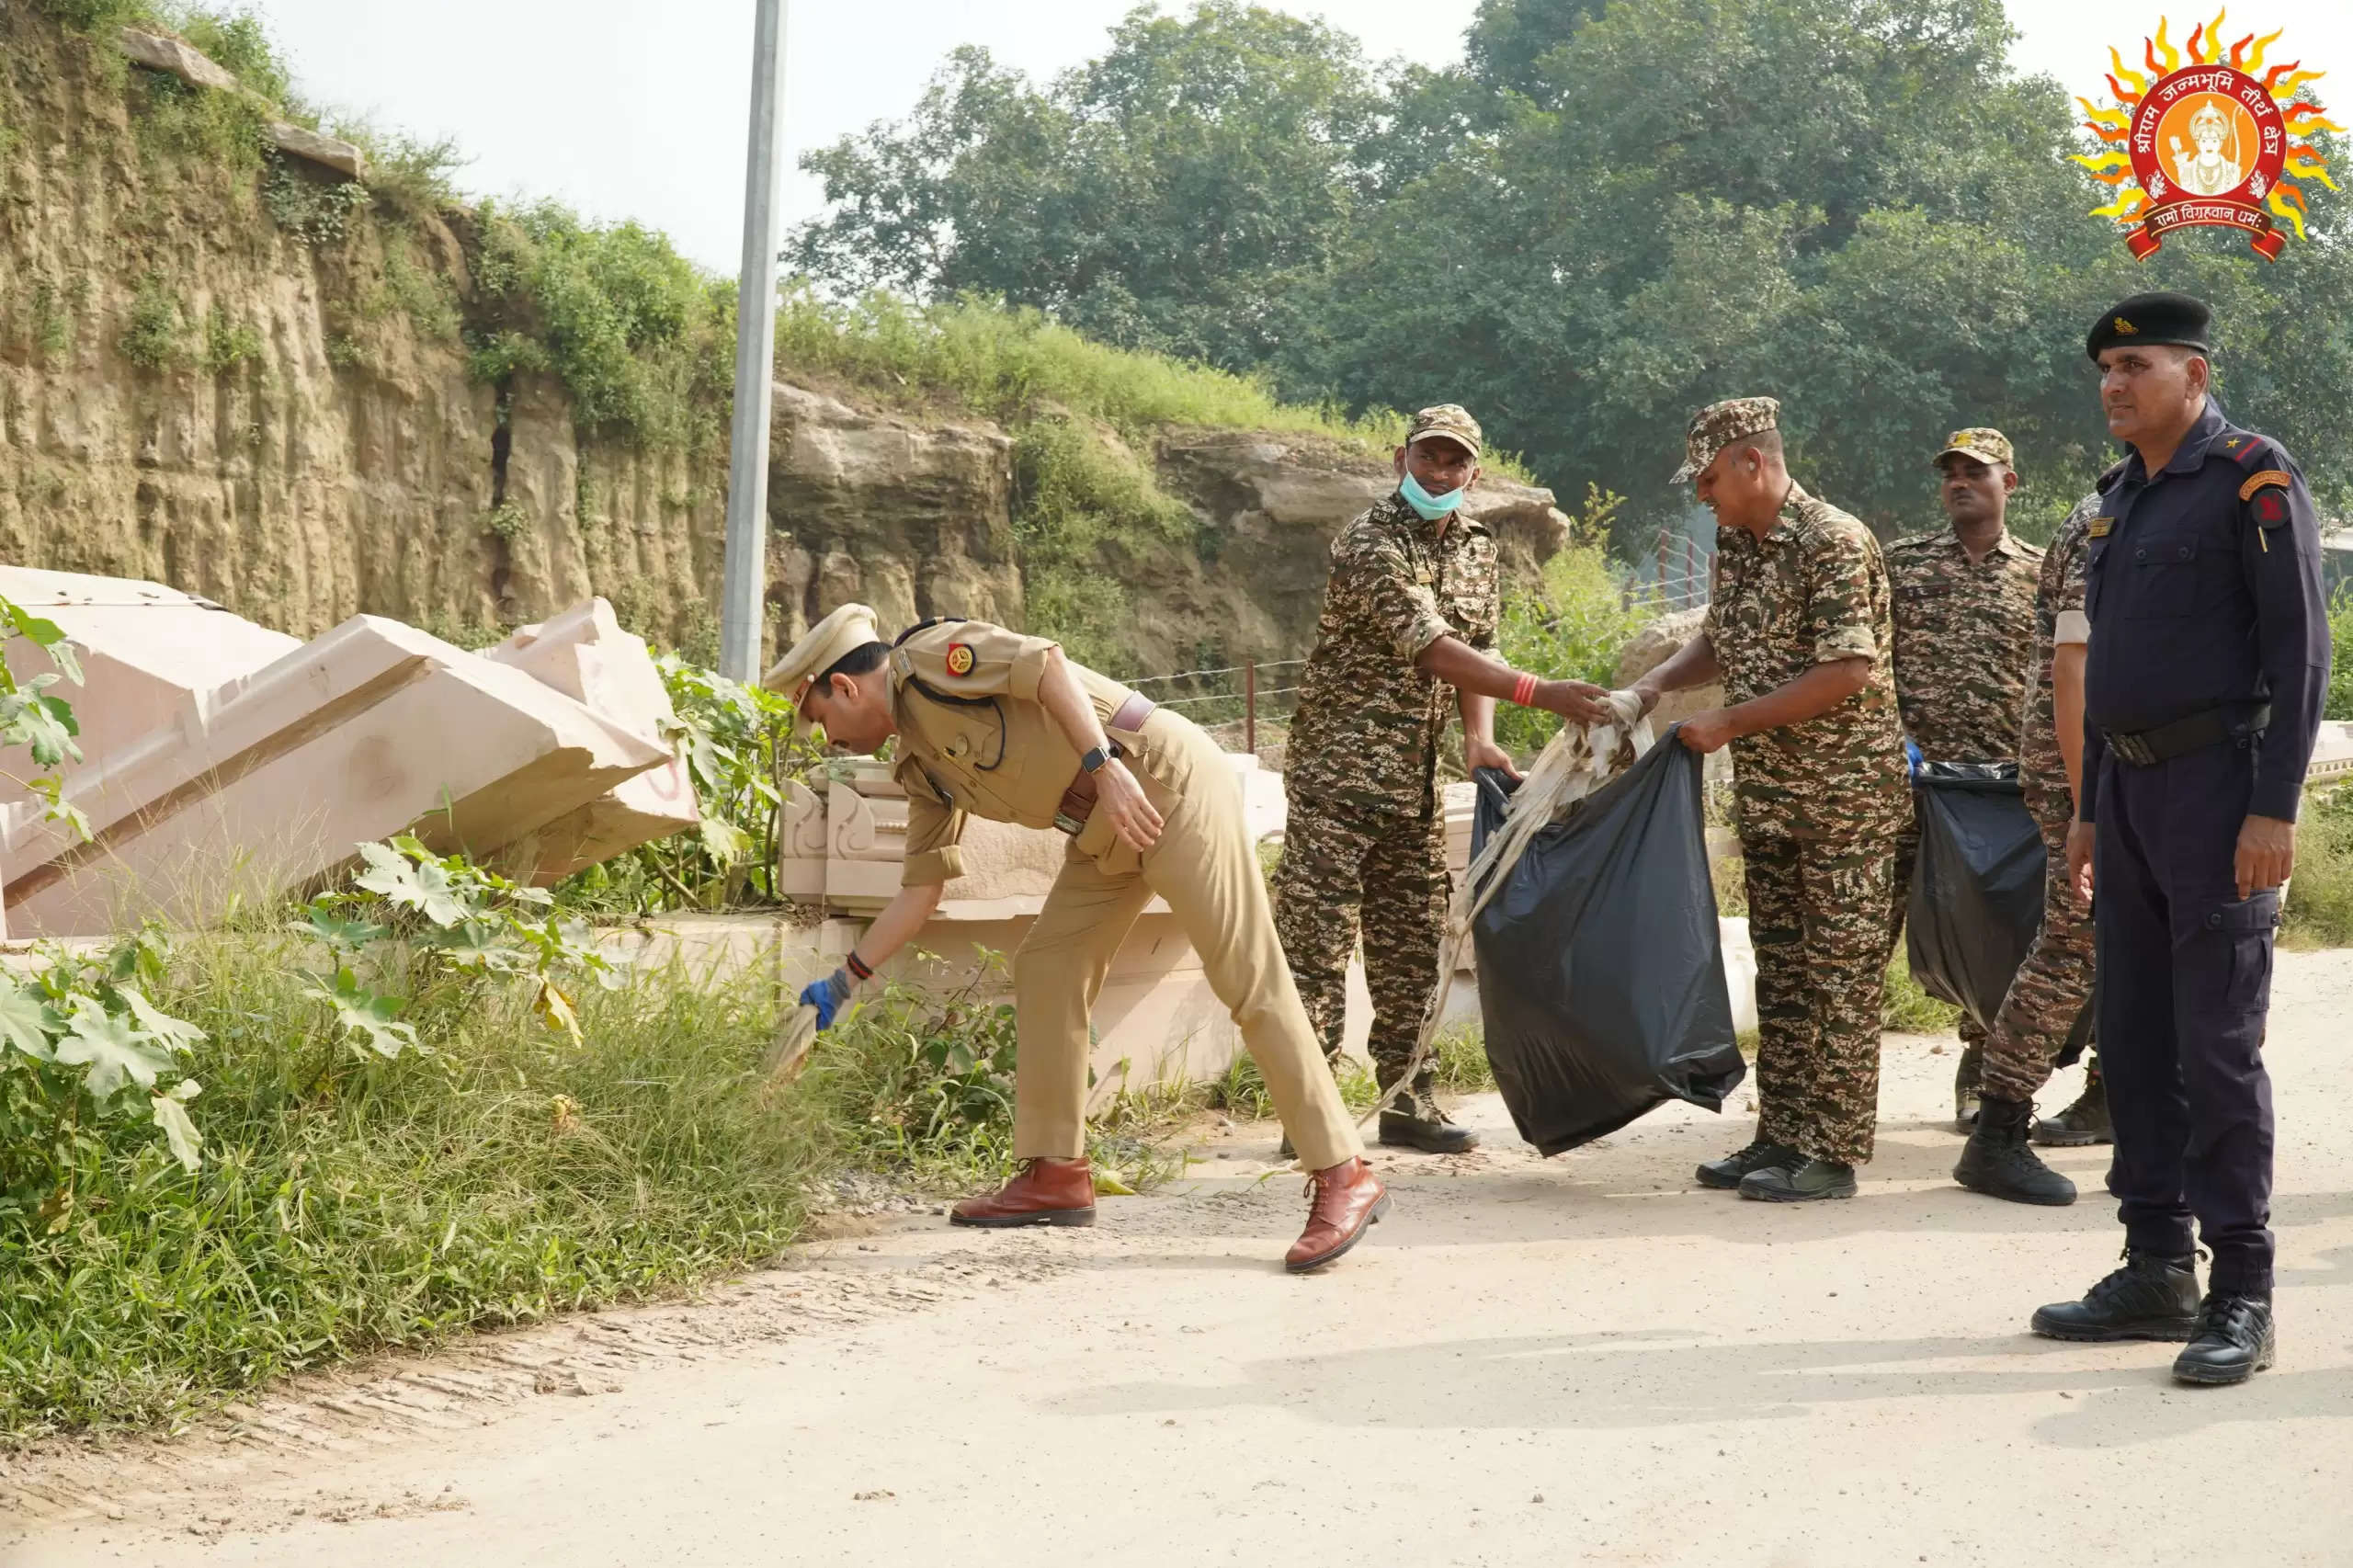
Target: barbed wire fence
(1681, 575)
(1244, 708)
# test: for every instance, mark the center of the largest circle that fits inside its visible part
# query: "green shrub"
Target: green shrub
(1571, 623)
(2319, 912)
(2340, 673)
(228, 343)
(642, 339)
(315, 208)
(738, 745)
(155, 333)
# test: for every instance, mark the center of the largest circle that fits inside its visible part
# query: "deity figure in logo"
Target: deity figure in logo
(2207, 172)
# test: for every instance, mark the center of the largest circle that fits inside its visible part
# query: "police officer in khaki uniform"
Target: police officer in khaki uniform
(993, 723)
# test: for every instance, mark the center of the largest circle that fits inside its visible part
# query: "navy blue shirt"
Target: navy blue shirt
(2203, 588)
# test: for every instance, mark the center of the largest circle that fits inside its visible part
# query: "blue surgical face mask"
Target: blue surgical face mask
(1431, 507)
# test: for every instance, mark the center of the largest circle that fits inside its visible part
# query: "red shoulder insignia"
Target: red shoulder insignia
(958, 659)
(2270, 509)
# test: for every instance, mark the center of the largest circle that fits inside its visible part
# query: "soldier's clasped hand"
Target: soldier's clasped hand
(1577, 700)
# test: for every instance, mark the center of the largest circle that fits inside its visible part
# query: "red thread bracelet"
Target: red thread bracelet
(857, 966)
(1522, 689)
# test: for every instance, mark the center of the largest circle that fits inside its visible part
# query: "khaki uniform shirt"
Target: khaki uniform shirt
(2058, 619)
(1812, 591)
(975, 740)
(1369, 727)
(1964, 636)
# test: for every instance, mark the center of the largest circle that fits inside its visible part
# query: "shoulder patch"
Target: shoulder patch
(958, 659)
(2270, 509)
(2269, 476)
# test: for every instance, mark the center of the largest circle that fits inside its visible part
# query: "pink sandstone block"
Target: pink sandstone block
(585, 654)
(266, 782)
(144, 650)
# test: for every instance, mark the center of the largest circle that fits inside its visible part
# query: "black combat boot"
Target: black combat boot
(2233, 1340)
(1965, 1087)
(1416, 1122)
(2150, 1298)
(1724, 1175)
(1997, 1163)
(1799, 1183)
(2083, 1122)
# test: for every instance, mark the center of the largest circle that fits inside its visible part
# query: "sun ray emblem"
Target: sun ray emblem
(2212, 136)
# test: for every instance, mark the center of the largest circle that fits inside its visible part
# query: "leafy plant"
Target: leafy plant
(316, 211)
(31, 717)
(2340, 633)
(438, 931)
(1572, 622)
(89, 1071)
(738, 745)
(228, 342)
(155, 335)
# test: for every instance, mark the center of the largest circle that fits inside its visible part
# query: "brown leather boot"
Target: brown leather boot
(1348, 1199)
(1042, 1192)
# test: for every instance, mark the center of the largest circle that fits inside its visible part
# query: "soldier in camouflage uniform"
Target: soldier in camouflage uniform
(1800, 633)
(2048, 997)
(1965, 627)
(1412, 602)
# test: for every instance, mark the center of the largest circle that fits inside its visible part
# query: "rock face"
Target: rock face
(299, 445)
(1652, 647)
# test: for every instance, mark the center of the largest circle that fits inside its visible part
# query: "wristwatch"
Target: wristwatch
(1093, 757)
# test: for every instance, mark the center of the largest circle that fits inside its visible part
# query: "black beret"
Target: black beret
(2174, 319)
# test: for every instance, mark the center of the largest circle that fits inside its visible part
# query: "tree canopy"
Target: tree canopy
(1604, 218)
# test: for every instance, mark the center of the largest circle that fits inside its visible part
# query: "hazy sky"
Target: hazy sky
(637, 110)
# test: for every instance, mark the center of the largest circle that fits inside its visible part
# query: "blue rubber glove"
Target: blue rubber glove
(1912, 754)
(827, 995)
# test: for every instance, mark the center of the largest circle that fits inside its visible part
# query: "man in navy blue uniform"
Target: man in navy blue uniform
(2202, 697)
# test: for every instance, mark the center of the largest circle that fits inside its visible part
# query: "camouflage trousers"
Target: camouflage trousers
(2052, 985)
(1816, 916)
(1908, 856)
(1384, 874)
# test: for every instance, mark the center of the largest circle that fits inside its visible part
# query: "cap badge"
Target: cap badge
(2126, 327)
(959, 658)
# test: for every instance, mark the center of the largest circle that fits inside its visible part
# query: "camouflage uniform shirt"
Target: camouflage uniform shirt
(2042, 770)
(1963, 633)
(1813, 590)
(1369, 723)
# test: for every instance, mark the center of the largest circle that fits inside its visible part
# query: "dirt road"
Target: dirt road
(1582, 1360)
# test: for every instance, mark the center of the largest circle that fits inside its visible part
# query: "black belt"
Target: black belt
(2146, 748)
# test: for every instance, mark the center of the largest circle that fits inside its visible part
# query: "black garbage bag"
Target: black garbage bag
(1977, 888)
(1601, 968)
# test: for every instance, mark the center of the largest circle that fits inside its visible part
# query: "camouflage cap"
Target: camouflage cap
(1718, 424)
(848, 629)
(1450, 420)
(1983, 442)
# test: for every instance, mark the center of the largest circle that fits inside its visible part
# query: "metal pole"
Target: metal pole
(1250, 708)
(744, 584)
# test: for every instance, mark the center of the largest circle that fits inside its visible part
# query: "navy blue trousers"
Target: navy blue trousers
(2184, 968)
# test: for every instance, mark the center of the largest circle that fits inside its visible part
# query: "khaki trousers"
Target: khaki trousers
(1206, 868)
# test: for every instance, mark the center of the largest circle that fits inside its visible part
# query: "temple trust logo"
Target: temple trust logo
(2206, 140)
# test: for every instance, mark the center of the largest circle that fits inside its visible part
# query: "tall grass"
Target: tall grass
(1008, 364)
(507, 1175)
